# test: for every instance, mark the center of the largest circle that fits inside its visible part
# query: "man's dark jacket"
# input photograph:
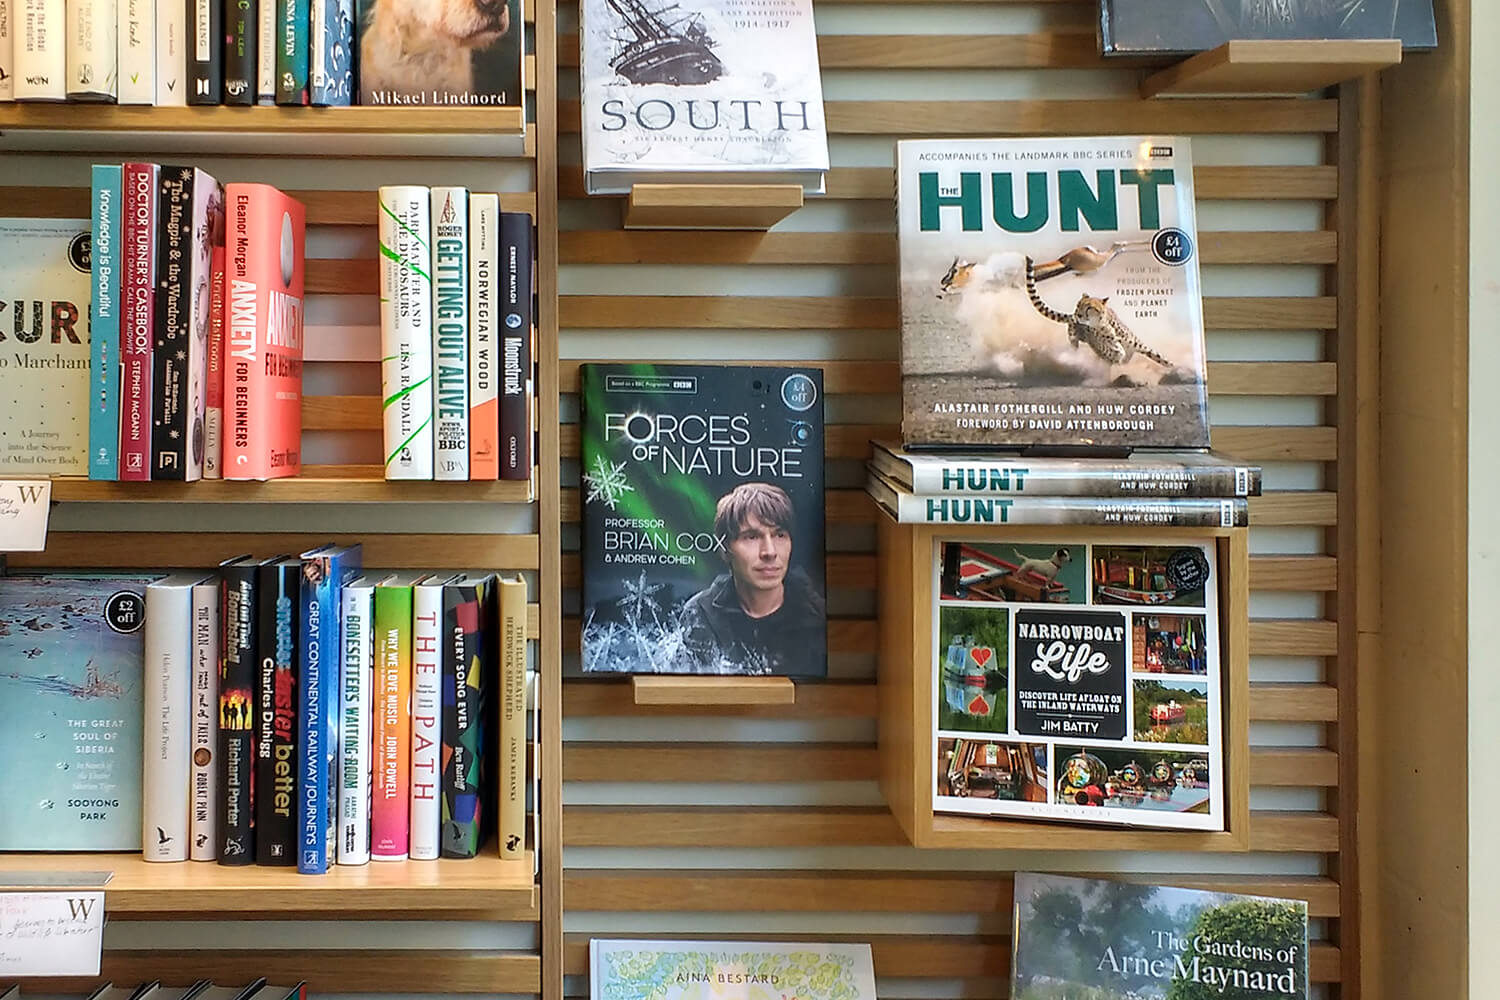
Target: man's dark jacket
(718, 637)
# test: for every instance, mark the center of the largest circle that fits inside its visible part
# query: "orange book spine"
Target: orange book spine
(484, 336)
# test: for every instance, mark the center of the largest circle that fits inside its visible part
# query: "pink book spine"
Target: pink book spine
(138, 295)
(213, 389)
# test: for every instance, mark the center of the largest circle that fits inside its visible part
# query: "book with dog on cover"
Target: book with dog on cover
(467, 53)
(1050, 297)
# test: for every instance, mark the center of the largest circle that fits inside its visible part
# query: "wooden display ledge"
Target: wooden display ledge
(504, 889)
(340, 484)
(1260, 68)
(710, 206)
(720, 690)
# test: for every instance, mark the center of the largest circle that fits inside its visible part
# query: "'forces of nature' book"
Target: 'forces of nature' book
(44, 323)
(703, 520)
(701, 92)
(71, 711)
(1106, 940)
(1050, 294)
(729, 970)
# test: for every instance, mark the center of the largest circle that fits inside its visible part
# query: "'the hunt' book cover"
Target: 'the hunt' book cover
(703, 520)
(1050, 294)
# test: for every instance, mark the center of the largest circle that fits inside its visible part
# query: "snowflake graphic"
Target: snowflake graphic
(607, 482)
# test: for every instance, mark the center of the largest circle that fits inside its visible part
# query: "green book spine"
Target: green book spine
(390, 801)
(291, 52)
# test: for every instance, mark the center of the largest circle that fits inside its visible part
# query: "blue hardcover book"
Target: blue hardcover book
(325, 570)
(104, 327)
(332, 53)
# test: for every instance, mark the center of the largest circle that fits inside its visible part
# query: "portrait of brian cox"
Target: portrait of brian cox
(762, 616)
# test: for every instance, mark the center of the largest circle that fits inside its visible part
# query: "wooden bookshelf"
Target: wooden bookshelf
(710, 206)
(661, 690)
(1257, 67)
(317, 484)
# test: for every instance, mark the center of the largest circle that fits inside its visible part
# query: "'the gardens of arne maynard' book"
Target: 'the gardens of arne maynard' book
(1108, 940)
(701, 92)
(1050, 297)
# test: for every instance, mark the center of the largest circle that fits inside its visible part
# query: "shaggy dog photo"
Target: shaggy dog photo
(414, 46)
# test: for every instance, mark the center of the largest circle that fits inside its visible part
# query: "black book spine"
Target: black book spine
(276, 701)
(241, 33)
(169, 374)
(205, 55)
(237, 717)
(517, 406)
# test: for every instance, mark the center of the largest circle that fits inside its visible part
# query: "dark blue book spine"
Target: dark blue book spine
(332, 39)
(276, 742)
(104, 326)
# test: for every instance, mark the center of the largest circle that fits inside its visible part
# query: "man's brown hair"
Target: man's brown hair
(769, 504)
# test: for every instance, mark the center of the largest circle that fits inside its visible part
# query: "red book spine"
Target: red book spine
(138, 295)
(263, 342)
(213, 388)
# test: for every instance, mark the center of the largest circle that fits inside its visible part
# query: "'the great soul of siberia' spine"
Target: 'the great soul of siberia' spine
(41, 54)
(450, 332)
(204, 825)
(91, 50)
(241, 33)
(406, 331)
(291, 52)
(484, 338)
(358, 681)
(169, 351)
(171, 53)
(205, 52)
(237, 675)
(331, 83)
(426, 719)
(104, 323)
(167, 683)
(135, 43)
(517, 427)
(138, 297)
(276, 696)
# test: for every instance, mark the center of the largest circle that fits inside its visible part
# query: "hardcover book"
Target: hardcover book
(291, 51)
(1128, 941)
(138, 316)
(1050, 295)
(169, 356)
(427, 639)
(467, 54)
(171, 53)
(332, 57)
(469, 675)
(8, 10)
(40, 51)
(517, 345)
(213, 391)
(703, 520)
(1078, 682)
(512, 757)
(91, 50)
(135, 41)
(44, 381)
(390, 805)
(1181, 27)
(275, 788)
(239, 671)
(104, 323)
(205, 52)
(450, 332)
(207, 638)
(241, 49)
(357, 668)
(484, 336)
(71, 711)
(709, 92)
(729, 970)
(406, 330)
(166, 777)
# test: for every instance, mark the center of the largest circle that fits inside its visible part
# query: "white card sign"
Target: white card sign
(24, 505)
(51, 933)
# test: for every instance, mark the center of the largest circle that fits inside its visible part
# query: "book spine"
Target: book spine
(241, 337)
(237, 675)
(461, 721)
(332, 68)
(205, 233)
(138, 297)
(406, 331)
(317, 648)
(1171, 513)
(484, 347)
(169, 380)
(450, 332)
(358, 679)
(91, 50)
(512, 605)
(204, 825)
(41, 51)
(205, 56)
(8, 36)
(291, 52)
(1104, 479)
(426, 722)
(171, 53)
(276, 749)
(213, 390)
(390, 808)
(268, 19)
(167, 685)
(104, 323)
(517, 428)
(135, 42)
(241, 24)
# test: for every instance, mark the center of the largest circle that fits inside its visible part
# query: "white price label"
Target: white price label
(51, 933)
(24, 505)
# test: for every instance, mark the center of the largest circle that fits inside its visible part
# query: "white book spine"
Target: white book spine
(91, 50)
(357, 676)
(168, 682)
(41, 51)
(484, 337)
(265, 52)
(136, 44)
(450, 332)
(406, 330)
(171, 54)
(204, 824)
(7, 50)
(426, 721)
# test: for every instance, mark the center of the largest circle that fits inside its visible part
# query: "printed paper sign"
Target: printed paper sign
(24, 505)
(51, 933)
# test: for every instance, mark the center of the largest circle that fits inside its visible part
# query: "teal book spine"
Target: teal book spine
(291, 52)
(104, 326)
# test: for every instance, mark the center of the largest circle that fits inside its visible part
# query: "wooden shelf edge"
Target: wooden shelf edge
(981, 833)
(710, 206)
(298, 489)
(722, 690)
(1260, 68)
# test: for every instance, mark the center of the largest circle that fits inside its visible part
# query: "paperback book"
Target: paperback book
(1107, 940)
(729, 970)
(1182, 27)
(1078, 682)
(703, 520)
(1049, 295)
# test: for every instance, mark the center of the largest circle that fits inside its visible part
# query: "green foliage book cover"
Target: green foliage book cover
(1091, 939)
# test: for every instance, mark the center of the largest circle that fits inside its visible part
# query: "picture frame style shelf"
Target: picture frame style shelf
(907, 750)
(677, 690)
(710, 206)
(1261, 68)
